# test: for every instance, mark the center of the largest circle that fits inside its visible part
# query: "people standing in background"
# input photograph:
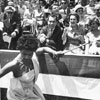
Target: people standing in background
(3, 3)
(90, 8)
(83, 17)
(82, 2)
(50, 35)
(64, 11)
(93, 37)
(97, 10)
(73, 35)
(12, 26)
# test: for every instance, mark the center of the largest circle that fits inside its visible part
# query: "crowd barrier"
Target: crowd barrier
(70, 76)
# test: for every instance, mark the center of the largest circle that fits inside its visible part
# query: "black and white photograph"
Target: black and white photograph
(49, 49)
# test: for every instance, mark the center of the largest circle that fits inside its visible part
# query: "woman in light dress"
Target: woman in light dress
(73, 36)
(93, 37)
(25, 68)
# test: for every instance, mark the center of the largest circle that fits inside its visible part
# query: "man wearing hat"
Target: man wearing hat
(97, 10)
(12, 24)
(80, 10)
(50, 35)
(89, 9)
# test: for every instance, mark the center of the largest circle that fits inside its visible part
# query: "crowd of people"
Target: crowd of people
(35, 27)
(55, 23)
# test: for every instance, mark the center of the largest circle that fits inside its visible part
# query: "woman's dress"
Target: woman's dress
(24, 87)
(93, 48)
(73, 40)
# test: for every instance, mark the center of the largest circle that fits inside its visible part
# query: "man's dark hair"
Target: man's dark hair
(53, 15)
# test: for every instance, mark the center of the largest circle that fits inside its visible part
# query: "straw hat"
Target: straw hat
(9, 9)
(79, 6)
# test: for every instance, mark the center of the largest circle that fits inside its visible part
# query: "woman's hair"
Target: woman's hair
(76, 15)
(94, 19)
(27, 42)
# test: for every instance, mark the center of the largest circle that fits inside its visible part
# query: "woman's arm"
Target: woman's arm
(7, 68)
(87, 45)
(45, 49)
(49, 50)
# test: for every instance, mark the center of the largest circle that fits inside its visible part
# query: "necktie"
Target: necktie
(50, 32)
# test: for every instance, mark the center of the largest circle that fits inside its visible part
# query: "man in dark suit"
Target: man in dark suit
(51, 34)
(12, 25)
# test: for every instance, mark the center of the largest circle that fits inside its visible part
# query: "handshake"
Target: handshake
(43, 38)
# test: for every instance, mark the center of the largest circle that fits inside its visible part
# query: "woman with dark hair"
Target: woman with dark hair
(73, 35)
(25, 68)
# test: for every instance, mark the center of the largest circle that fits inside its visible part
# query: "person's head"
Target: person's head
(27, 24)
(10, 3)
(9, 10)
(52, 19)
(73, 19)
(47, 12)
(92, 2)
(79, 9)
(27, 3)
(64, 3)
(97, 10)
(94, 23)
(27, 44)
(42, 2)
(55, 8)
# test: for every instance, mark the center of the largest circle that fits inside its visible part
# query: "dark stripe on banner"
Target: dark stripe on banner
(53, 97)
(71, 65)
(47, 97)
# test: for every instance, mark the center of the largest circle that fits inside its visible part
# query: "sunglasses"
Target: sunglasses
(80, 10)
(10, 12)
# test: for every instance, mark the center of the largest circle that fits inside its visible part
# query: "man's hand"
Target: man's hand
(42, 38)
(13, 34)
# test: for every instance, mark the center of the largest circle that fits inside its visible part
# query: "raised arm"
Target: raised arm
(7, 68)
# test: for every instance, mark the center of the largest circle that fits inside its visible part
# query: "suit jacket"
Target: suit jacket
(54, 37)
(14, 23)
(10, 26)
